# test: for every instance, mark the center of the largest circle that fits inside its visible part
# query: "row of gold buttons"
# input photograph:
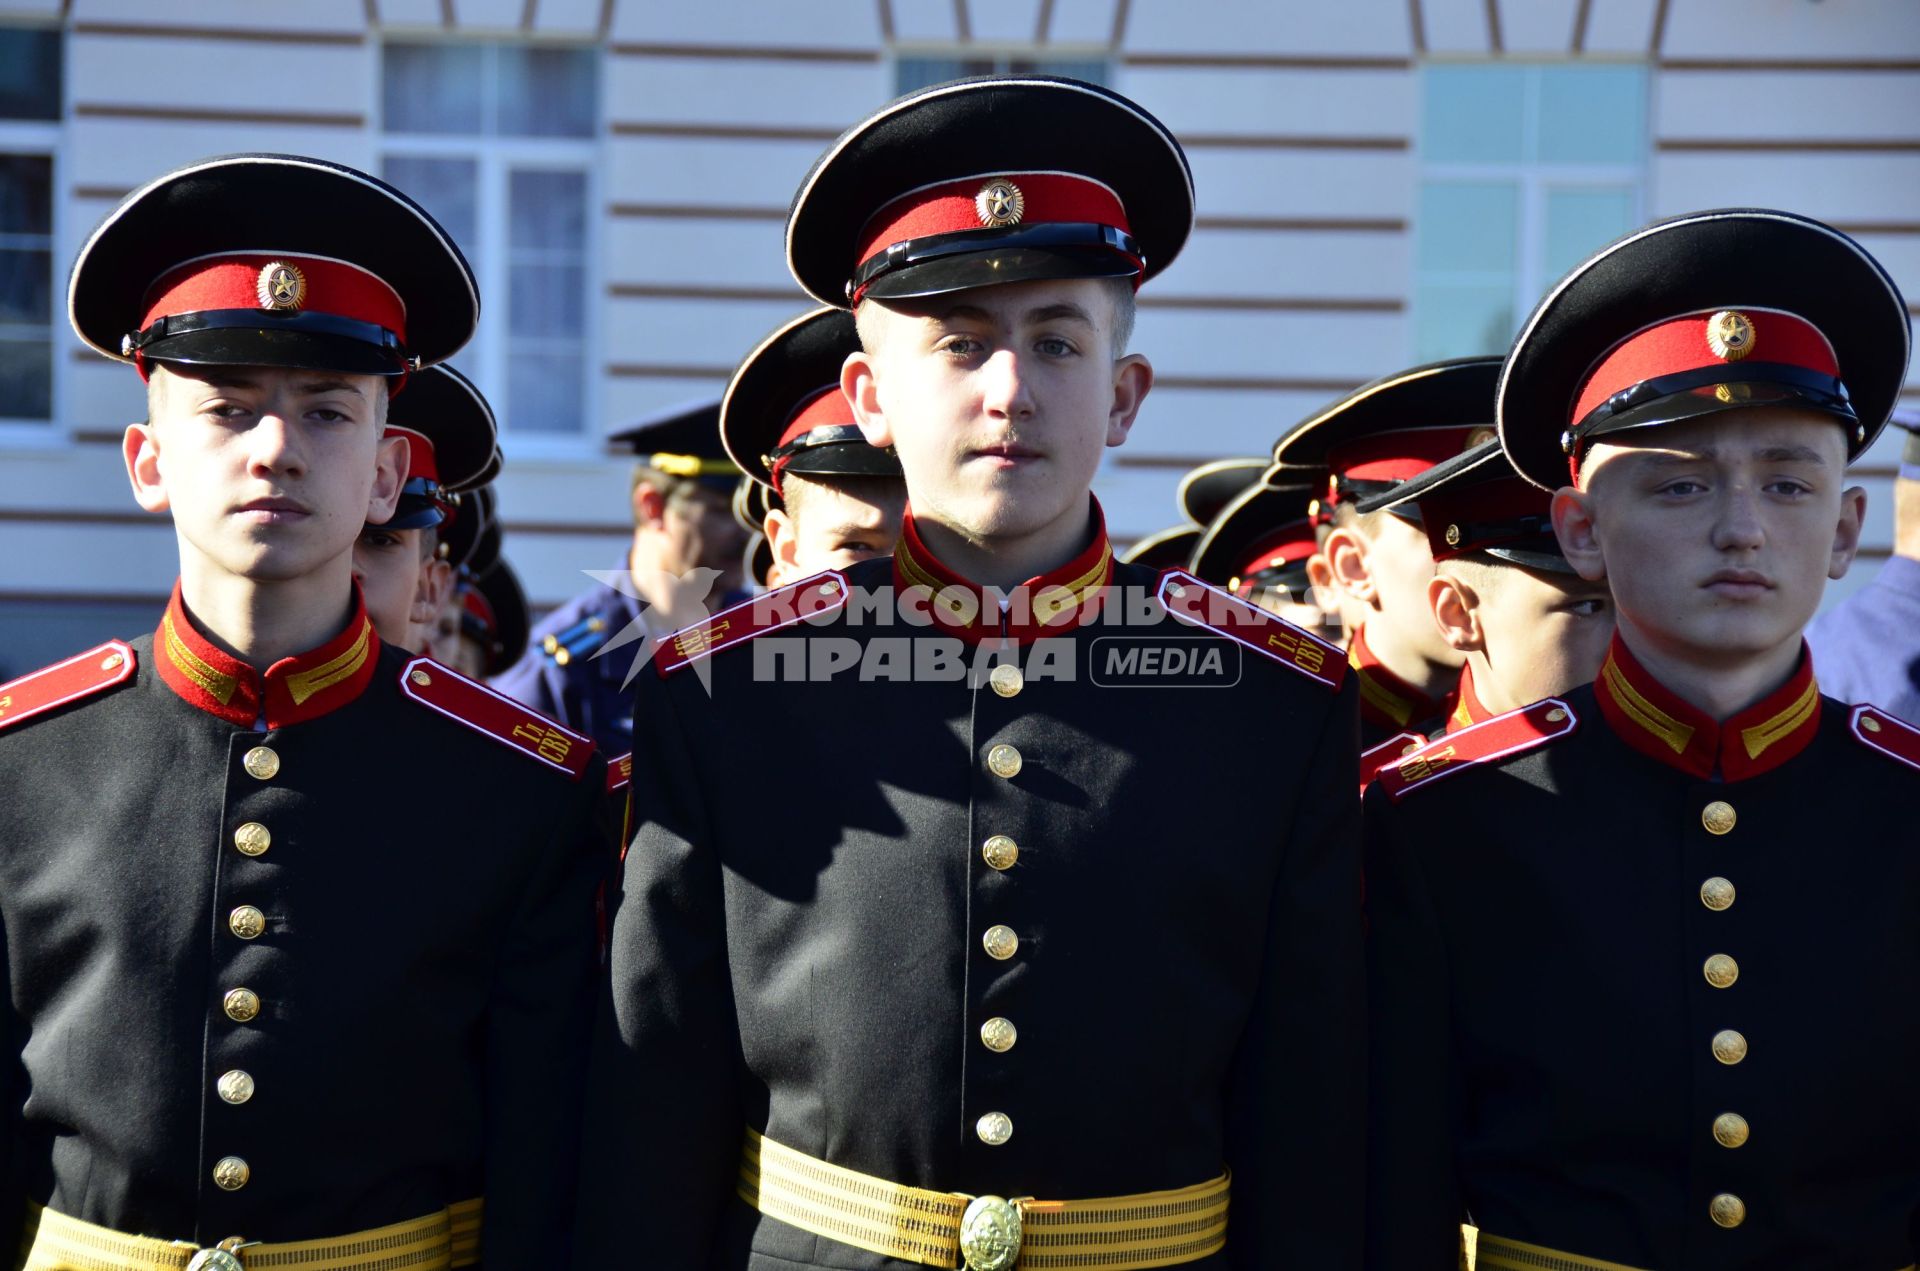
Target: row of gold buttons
(1000, 941)
(242, 1005)
(1730, 1129)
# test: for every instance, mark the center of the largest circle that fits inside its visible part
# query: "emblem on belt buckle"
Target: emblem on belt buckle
(990, 1234)
(224, 1256)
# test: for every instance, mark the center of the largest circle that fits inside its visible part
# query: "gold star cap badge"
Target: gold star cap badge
(280, 286)
(1000, 204)
(1477, 438)
(1730, 335)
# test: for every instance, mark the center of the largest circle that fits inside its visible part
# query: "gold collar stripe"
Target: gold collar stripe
(55, 1242)
(1461, 714)
(304, 684)
(1115, 1233)
(1644, 713)
(1382, 698)
(218, 686)
(1762, 735)
(913, 571)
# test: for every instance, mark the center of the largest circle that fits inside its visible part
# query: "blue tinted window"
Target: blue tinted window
(1474, 114)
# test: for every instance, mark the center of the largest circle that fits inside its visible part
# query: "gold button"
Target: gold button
(1729, 1047)
(1004, 761)
(1869, 723)
(1721, 971)
(1007, 680)
(241, 1005)
(1556, 715)
(1728, 1210)
(829, 588)
(235, 1086)
(421, 678)
(1716, 894)
(1000, 943)
(230, 1173)
(262, 762)
(252, 839)
(1001, 852)
(111, 662)
(994, 1128)
(1718, 817)
(999, 1035)
(246, 922)
(1730, 1129)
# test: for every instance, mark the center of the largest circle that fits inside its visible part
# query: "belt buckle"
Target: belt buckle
(990, 1234)
(224, 1256)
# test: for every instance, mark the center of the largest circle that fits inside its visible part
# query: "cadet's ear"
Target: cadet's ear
(391, 456)
(862, 390)
(1349, 573)
(1456, 611)
(779, 529)
(430, 595)
(1575, 527)
(1846, 534)
(649, 506)
(1132, 380)
(141, 452)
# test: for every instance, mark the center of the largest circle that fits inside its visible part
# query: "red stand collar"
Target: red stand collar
(1051, 604)
(1658, 724)
(1386, 700)
(1467, 707)
(291, 691)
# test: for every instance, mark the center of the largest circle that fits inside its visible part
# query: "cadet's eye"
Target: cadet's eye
(1590, 608)
(1054, 346)
(1789, 487)
(1682, 487)
(962, 346)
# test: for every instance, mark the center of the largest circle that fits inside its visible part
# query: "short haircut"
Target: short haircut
(1120, 293)
(673, 490)
(1478, 570)
(796, 489)
(1348, 517)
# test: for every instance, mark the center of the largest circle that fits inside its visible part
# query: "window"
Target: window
(913, 71)
(30, 89)
(1525, 170)
(497, 141)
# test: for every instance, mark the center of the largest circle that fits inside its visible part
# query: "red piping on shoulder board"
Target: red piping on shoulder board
(1392, 750)
(1201, 605)
(810, 597)
(52, 687)
(1497, 738)
(517, 727)
(1894, 738)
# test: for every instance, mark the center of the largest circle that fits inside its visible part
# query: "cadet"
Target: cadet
(403, 575)
(1376, 564)
(686, 549)
(826, 498)
(1633, 944)
(1503, 593)
(256, 1013)
(1202, 493)
(1867, 647)
(1014, 936)
(1259, 545)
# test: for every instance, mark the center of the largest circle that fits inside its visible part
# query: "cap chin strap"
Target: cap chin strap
(307, 322)
(1081, 235)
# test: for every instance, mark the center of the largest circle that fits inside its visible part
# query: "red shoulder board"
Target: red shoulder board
(1392, 750)
(1510, 734)
(1195, 602)
(438, 688)
(1892, 737)
(782, 607)
(619, 773)
(52, 687)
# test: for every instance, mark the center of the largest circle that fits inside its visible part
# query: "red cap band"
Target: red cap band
(1486, 503)
(1042, 198)
(1288, 545)
(476, 605)
(421, 461)
(1396, 456)
(1721, 337)
(275, 284)
(827, 408)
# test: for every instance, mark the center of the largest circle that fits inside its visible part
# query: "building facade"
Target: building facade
(1380, 182)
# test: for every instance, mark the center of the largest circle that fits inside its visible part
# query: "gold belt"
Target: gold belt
(982, 1233)
(437, 1242)
(1496, 1253)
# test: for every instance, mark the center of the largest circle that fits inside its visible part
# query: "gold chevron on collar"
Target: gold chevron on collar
(1643, 712)
(1056, 599)
(304, 684)
(1379, 696)
(911, 569)
(1763, 734)
(216, 684)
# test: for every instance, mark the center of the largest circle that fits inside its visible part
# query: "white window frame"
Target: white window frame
(47, 137)
(484, 360)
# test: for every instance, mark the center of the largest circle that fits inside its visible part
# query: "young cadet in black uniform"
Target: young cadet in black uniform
(256, 1013)
(825, 498)
(1634, 947)
(1503, 593)
(1202, 493)
(1259, 543)
(1014, 936)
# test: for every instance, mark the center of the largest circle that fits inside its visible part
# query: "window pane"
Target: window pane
(544, 392)
(1581, 220)
(434, 88)
(1592, 114)
(29, 73)
(548, 210)
(26, 287)
(1473, 114)
(547, 92)
(544, 301)
(1468, 226)
(26, 379)
(450, 191)
(1462, 321)
(26, 194)
(911, 73)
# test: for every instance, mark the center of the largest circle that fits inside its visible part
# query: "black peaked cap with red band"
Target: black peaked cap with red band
(682, 441)
(273, 260)
(1394, 428)
(452, 444)
(1205, 491)
(512, 618)
(784, 411)
(1170, 548)
(1476, 502)
(990, 180)
(1263, 537)
(1700, 313)
(471, 540)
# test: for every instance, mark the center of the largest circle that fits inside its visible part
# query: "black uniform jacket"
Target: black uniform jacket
(1389, 706)
(379, 910)
(1640, 984)
(800, 944)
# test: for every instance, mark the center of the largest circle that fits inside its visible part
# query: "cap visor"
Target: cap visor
(992, 268)
(254, 346)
